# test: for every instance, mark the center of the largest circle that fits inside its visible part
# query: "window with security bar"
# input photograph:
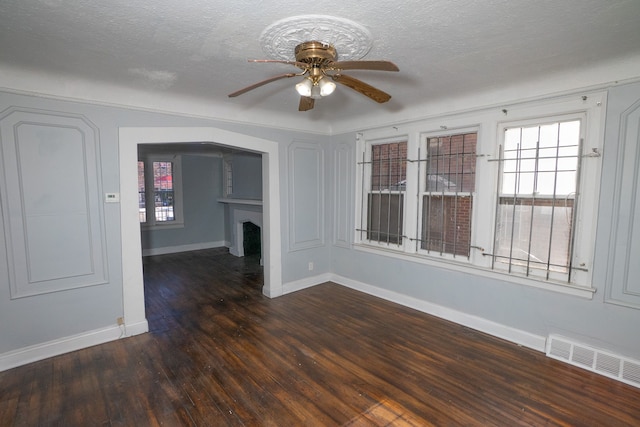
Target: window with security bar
(142, 203)
(228, 177)
(163, 191)
(537, 199)
(513, 196)
(448, 184)
(159, 201)
(385, 198)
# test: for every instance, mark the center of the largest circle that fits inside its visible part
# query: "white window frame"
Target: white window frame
(490, 123)
(151, 223)
(364, 179)
(579, 245)
(423, 191)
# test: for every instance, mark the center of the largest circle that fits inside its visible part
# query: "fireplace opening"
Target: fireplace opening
(251, 239)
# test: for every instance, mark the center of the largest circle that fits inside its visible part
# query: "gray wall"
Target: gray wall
(52, 317)
(609, 321)
(203, 215)
(317, 208)
(247, 176)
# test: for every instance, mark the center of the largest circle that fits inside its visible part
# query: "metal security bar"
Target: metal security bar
(163, 191)
(142, 207)
(537, 203)
(385, 196)
(446, 194)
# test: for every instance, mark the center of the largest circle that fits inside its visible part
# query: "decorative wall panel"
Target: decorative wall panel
(51, 201)
(623, 269)
(306, 196)
(343, 195)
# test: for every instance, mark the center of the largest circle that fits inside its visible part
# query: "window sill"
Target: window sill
(562, 288)
(157, 227)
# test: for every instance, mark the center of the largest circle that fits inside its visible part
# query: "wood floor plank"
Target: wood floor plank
(219, 353)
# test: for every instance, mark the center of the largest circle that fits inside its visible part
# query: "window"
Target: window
(536, 204)
(385, 199)
(228, 177)
(142, 207)
(159, 195)
(447, 200)
(496, 198)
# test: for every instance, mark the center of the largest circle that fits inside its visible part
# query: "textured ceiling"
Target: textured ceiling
(198, 50)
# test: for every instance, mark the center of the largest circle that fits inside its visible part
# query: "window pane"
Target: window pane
(228, 180)
(534, 233)
(389, 166)
(451, 163)
(163, 191)
(385, 217)
(446, 224)
(538, 158)
(536, 208)
(142, 208)
(448, 196)
(385, 203)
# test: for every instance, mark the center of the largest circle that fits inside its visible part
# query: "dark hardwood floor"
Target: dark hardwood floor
(219, 353)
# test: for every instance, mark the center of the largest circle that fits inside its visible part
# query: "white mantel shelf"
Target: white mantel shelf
(251, 202)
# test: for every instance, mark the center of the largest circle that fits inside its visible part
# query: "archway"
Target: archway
(132, 279)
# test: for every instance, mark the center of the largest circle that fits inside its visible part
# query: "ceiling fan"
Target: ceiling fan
(320, 69)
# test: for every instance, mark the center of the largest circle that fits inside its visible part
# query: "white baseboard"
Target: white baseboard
(307, 282)
(137, 328)
(37, 352)
(183, 248)
(517, 336)
(34, 353)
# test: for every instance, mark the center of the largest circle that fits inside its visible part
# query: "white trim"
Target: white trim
(342, 195)
(517, 336)
(450, 264)
(56, 347)
(465, 105)
(24, 82)
(316, 201)
(148, 159)
(131, 244)
(232, 201)
(53, 348)
(307, 282)
(21, 81)
(183, 248)
(488, 124)
(238, 217)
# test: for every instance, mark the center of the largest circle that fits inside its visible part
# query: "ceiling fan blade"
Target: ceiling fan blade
(364, 65)
(306, 103)
(302, 65)
(262, 83)
(360, 86)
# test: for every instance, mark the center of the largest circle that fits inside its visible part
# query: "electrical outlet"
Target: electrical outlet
(310, 266)
(120, 321)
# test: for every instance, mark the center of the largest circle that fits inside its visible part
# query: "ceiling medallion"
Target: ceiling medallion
(350, 39)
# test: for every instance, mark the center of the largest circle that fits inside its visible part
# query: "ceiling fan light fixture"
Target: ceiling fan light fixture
(326, 87)
(305, 87)
(321, 70)
(315, 92)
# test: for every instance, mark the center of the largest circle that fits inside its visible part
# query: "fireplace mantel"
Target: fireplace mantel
(250, 202)
(241, 211)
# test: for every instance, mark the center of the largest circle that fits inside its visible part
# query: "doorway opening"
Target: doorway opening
(131, 246)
